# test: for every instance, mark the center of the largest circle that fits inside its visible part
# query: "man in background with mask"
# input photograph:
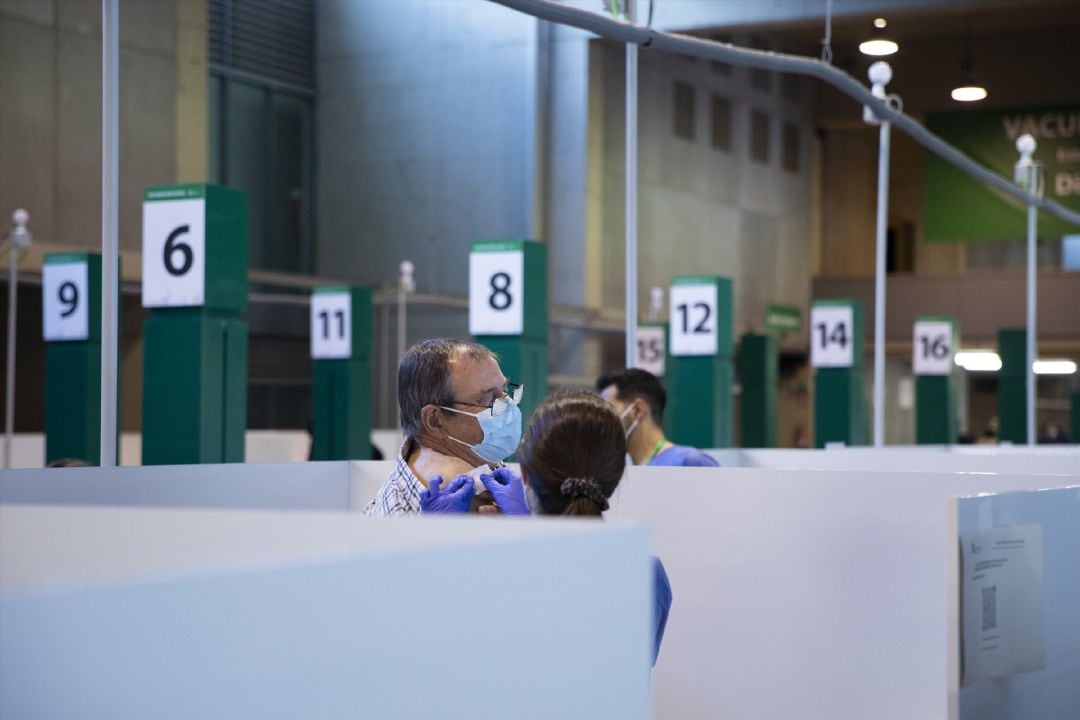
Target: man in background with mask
(639, 398)
(458, 412)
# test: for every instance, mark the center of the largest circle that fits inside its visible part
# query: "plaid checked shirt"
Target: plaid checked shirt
(400, 494)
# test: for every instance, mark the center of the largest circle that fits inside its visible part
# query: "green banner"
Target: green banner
(957, 208)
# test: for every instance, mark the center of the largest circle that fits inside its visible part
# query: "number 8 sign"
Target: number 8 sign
(496, 285)
(174, 257)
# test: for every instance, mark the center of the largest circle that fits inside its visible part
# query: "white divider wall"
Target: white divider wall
(1054, 691)
(803, 595)
(1047, 460)
(163, 613)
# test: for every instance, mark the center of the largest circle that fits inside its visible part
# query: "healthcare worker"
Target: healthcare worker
(572, 456)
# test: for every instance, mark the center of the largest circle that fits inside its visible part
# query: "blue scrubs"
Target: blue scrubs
(683, 456)
(662, 604)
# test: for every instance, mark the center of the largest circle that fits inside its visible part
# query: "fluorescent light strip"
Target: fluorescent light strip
(878, 47)
(1055, 367)
(990, 361)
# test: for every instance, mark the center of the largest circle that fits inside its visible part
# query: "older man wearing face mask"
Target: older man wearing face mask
(458, 413)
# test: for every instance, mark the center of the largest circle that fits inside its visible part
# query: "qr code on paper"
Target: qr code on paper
(989, 608)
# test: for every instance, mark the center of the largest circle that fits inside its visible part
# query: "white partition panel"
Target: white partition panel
(802, 594)
(1048, 460)
(211, 614)
(284, 486)
(1053, 691)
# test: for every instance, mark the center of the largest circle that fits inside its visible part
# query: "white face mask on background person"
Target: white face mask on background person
(633, 425)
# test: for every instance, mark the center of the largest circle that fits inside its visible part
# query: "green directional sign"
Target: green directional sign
(781, 319)
(957, 208)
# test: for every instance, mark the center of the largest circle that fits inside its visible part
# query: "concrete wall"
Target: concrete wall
(50, 111)
(703, 210)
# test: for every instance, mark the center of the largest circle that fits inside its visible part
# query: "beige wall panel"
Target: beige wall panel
(147, 135)
(149, 25)
(27, 123)
(78, 141)
(82, 17)
(37, 11)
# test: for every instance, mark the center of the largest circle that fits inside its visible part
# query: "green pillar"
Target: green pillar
(342, 322)
(759, 361)
(195, 256)
(1012, 386)
(935, 341)
(837, 352)
(700, 374)
(508, 310)
(71, 314)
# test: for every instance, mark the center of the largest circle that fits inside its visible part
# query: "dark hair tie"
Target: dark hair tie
(587, 488)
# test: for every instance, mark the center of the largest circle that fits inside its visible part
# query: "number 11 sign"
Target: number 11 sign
(331, 324)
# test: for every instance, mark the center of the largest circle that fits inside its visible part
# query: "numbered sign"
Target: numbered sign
(65, 301)
(331, 326)
(496, 293)
(650, 350)
(174, 257)
(832, 337)
(693, 319)
(933, 351)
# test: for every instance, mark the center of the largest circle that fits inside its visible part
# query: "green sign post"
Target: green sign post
(1074, 416)
(700, 373)
(71, 319)
(342, 320)
(837, 354)
(759, 376)
(195, 256)
(1012, 386)
(960, 209)
(508, 310)
(782, 319)
(935, 341)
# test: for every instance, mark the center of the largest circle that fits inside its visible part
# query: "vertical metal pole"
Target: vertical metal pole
(631, 194)
(9, 384)
(1032, 294)
(879, 286)
(110, 193)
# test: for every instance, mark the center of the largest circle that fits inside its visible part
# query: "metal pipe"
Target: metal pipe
(9, 381)
(722, 52)
(1032, 302)
(879, 286)
(631, 195)
(110, 194)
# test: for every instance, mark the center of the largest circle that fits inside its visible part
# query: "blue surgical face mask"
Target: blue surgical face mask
(502, 433)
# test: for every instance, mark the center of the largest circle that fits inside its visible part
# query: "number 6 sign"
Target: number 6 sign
(496, 291)
(174, 245)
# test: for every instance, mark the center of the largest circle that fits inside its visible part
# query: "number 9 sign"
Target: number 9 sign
(65, 297)
(496, 285)
(174, 257)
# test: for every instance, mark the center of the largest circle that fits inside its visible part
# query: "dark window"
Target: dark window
(721, 123)
(791, 147)
(684, 111)
(262, 105)
(759, 137)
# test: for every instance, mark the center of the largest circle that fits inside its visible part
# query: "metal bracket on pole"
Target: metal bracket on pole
(20, 240)
(880, 75)
(1028, 175)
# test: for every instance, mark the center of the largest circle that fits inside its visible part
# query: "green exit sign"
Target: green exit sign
(781, 319)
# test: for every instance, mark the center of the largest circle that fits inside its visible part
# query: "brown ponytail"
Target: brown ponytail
(574, 454)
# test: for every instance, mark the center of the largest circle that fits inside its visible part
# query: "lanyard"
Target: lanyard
(656, 449)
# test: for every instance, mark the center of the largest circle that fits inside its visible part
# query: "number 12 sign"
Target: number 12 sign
(496, 292)
(174, 257)
(692, 313)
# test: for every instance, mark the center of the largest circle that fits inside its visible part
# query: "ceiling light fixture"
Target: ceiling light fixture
(978, 360)
(879, 45)
(1055, 367)
(969, 89)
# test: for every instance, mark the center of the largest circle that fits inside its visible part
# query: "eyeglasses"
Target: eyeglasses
(511, 394)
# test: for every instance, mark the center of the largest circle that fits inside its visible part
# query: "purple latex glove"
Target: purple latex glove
(505, 486)
(454, 499)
